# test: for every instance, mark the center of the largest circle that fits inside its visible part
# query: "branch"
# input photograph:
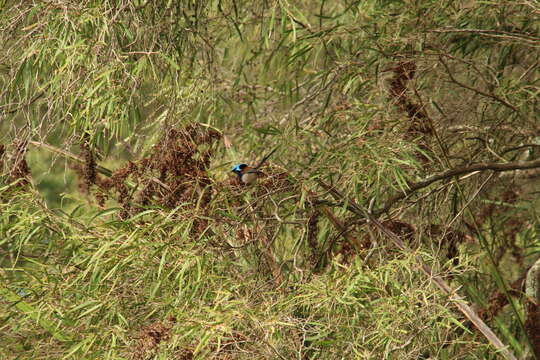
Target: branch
(497, 167)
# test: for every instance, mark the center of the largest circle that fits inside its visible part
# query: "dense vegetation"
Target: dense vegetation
(397, 219)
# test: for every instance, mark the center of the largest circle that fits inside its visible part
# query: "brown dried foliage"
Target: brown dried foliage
(150, 337)
(173, 174)
(402, 229)
(313, 231)
(404, 72)
(181, 164)
(89, 172)
(244, 235)
(15, 164)
(347, 252)
(498, 300)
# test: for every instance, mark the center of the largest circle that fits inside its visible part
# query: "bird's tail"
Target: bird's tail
(265, 158)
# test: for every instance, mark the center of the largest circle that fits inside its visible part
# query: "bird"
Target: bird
(247, 174)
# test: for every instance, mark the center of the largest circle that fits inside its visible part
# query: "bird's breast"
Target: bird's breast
(248, 178)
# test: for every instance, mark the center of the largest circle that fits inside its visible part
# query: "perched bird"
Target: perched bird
(248, 174)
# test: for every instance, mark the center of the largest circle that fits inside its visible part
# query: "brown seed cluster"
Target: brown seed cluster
(498, 299)
(174, 173)
(14, 163)
(150, 337)
(313, 231)
(404, 72)
(89, 169)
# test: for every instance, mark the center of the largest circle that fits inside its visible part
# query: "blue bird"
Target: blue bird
(247, 174)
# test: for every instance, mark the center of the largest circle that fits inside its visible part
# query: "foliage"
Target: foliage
(158, 252)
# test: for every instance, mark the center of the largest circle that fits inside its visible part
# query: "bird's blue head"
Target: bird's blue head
(237, 169)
